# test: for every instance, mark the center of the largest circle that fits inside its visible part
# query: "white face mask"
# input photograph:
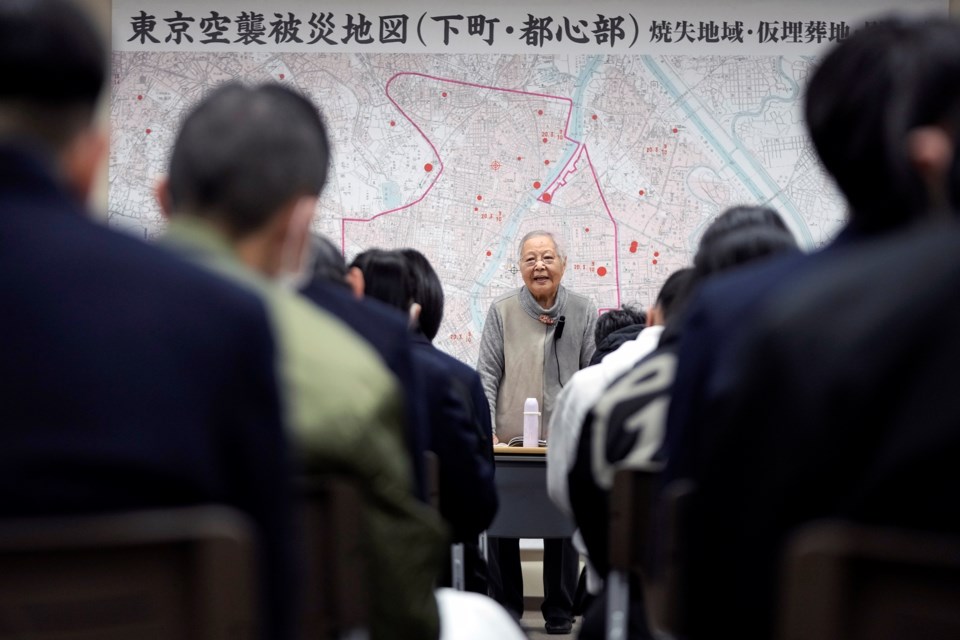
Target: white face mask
(296, 257)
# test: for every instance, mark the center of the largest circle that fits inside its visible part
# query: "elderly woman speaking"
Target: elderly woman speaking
(534, 339)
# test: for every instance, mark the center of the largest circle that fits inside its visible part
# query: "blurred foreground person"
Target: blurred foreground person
(625, 428)
(245, 174)
(129, 379)
(829, 404)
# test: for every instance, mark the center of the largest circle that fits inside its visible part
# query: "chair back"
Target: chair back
(674, 515)
(173, 573)
(630, 517)
(631, 513)
(853, 582)
(337, 603)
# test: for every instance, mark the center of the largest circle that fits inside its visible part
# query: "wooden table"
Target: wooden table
(525, 509)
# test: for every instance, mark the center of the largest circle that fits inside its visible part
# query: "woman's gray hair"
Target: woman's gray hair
(538, 234)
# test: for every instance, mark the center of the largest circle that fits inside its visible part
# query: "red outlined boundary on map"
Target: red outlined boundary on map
(568, 169)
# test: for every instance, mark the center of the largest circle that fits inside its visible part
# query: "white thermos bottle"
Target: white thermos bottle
(531, 423)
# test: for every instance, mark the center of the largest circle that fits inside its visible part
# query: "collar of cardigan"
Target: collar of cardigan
(546, 316)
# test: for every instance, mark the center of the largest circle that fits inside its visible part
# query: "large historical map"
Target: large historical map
(626, 157)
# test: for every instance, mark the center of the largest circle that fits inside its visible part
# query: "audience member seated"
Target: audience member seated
(427, 292)
(383, 327)
(615, 328)
(585, 388)
(837, 402)
(245, 174)
(625, 428)
(587, 385)
(129, 379)
(867, 131)
(468, 498)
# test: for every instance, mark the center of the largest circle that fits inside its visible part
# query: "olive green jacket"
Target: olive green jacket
(345, 414)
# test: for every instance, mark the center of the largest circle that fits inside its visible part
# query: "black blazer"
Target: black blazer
(129, 379)
(385, 329)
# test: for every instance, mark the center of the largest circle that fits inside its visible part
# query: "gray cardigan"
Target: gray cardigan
(519, 357)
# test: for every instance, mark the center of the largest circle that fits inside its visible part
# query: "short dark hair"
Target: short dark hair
(863, 100)
(52, 69)
(674, 292)
(245, 152)
(427, 292)
(736, 237)
(615, 319)
(386, 277)
(740, 247)
(327, 263)
(740, 235)
(738, 217)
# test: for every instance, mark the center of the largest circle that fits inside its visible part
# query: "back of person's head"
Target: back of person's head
(616, 319)
(326, 262)
(244, 153)
(741, 246)
(386, 277)
(739, 217)
(674, 291)
(427, 292)
(52, 68)
(736, 237)
(866, 98)
(740, 235)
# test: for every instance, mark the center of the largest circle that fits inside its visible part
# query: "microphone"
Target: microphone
(559, 330)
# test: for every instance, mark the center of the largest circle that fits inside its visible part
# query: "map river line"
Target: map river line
(627, 158)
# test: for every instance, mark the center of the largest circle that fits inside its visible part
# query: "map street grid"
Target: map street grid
(626, 157)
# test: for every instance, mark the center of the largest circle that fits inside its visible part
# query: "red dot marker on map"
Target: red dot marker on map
(634, 246)
(479, 197)
(536, 185)
(594, 116)
(675, 130)
(656, 254)
(546, 197)
(642, 192)
(546, 162)
(139, 97)
(519, 158)
(489, 253)
(602, 271)
(539, 112)
(654, 261)
(444, 94)
(282, 76)
(586, 229)
(393, 123)
(428, 167)
(476, 208)
(544, 141)
(148, 131)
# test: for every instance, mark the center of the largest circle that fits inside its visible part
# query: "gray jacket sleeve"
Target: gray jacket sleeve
(588, 345)
(490, 364)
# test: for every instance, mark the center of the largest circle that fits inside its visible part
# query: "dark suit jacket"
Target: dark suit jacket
(712, 328)
(129, 379)
(468, 497)
(845, 406)
(385, 329)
